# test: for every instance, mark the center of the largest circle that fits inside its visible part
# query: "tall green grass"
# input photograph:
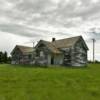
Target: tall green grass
(28, 83)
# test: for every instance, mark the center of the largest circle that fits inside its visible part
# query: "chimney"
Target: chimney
(53, 39)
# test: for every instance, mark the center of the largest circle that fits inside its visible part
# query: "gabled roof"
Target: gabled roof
(49, 45)
(24, 49)
(68, 42)
(62, 43)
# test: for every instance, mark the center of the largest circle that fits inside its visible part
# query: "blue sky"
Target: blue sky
(22, 21)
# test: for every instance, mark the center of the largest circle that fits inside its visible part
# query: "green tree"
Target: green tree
(9, 60)
(1, 57)
(5, 57)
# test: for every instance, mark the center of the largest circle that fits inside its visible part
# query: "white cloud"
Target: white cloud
(8, 41)
(95, 1)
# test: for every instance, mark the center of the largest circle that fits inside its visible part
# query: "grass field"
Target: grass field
(28, 83)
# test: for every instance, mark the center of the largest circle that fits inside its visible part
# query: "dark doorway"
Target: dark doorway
(52, 60)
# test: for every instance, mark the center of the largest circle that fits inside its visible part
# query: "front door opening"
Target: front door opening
(52, 60)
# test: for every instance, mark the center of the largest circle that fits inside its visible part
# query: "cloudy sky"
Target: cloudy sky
(24, 21)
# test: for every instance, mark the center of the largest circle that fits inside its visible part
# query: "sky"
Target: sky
(25, 21)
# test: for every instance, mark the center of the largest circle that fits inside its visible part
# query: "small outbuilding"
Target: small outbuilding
(22, 55)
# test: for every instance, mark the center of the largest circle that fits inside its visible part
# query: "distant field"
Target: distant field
(28, 83)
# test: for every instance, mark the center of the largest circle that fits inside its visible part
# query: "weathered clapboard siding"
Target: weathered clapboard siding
(19, 58)
(16, 56)
(58, 59)
(67, 56)
(44, 58)
(78, 55)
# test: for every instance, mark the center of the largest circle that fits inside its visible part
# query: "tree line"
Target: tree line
(4, 57)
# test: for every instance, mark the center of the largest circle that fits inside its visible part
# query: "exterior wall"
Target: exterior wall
(58, 59)
(78, 55)
(22, 60)
(19, 58)
(66, 56)
(43, 56)
(49, 59)
(16, 56)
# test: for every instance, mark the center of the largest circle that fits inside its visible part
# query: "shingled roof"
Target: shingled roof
(67, 42)
(23, 49)
(50, 46)
(62, 43)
